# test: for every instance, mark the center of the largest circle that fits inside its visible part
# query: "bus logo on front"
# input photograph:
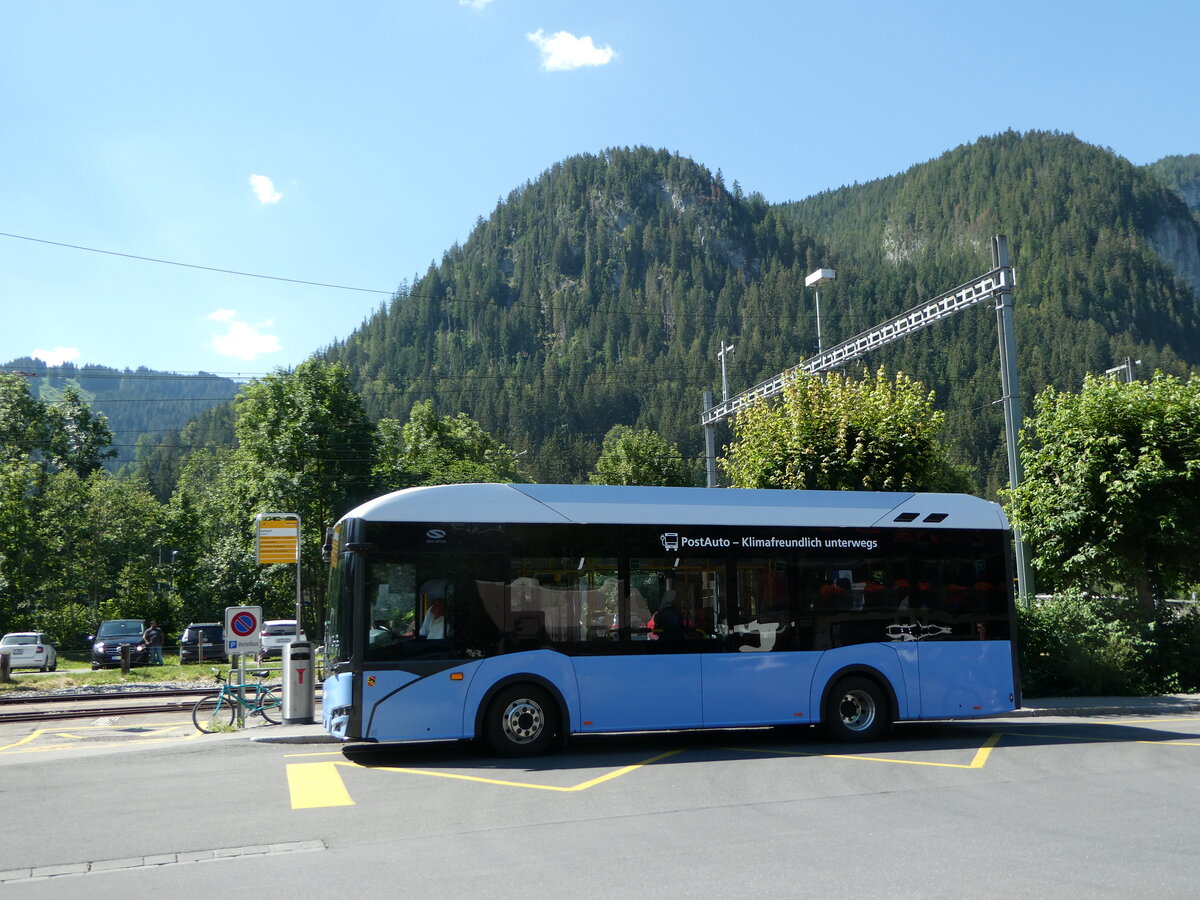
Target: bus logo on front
(670, 540)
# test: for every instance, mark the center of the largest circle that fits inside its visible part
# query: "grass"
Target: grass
(75, 670)
(83, 676)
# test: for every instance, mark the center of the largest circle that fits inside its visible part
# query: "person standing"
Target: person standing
(153, 638)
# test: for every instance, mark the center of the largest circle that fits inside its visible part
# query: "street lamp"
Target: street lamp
(814, 281)
(725, 350)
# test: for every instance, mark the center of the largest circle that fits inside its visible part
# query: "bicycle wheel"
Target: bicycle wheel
(213, 713)
(270, 705)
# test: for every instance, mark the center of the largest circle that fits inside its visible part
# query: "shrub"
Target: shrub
(1075, 644)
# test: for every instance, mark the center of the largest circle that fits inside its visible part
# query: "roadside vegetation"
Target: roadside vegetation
(1076, 644)
(1110, 507)
(81, 675)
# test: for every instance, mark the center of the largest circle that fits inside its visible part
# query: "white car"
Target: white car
(29, 650)
(277, 634)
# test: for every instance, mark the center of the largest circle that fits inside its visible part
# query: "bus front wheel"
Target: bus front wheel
(521, 721)
(856, 710)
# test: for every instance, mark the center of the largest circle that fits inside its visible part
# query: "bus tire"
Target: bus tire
(856, 710)
(521, 720)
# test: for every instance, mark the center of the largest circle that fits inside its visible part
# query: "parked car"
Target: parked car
(29, 650)
(111, 636)
(277, 634)
(202, 642)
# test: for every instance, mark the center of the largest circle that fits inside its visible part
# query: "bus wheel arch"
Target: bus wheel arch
(858, 705)
(522, 716)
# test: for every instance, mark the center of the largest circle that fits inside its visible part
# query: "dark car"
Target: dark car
(202, 642)
(114, 634)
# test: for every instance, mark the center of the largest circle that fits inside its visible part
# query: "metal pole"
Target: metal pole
(299, 604)
(241, 677)
(710, 445)
(820, 345)
(725, 349)
(1012, 401)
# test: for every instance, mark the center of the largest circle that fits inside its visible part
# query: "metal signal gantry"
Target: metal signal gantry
(978, 291)
(997, 285)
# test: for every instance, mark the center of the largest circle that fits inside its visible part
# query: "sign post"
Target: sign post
(277, 540)
(242, 626)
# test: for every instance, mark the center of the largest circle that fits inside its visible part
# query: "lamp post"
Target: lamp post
(725, 350)
(814, 281)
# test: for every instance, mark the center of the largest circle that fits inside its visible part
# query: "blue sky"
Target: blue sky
(353, 144)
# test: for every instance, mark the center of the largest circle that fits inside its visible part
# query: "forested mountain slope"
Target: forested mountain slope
(141, 405)
(1182, 175)
(598, 294)
(601, 292)
(1107, 261)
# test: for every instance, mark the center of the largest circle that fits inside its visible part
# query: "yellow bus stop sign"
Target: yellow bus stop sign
(277, 538)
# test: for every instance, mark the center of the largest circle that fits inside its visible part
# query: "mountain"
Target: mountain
(1107, 260)
(601, 292)
(1182, 175)
(141, 405)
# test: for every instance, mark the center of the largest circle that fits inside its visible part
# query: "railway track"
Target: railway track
(84, 706)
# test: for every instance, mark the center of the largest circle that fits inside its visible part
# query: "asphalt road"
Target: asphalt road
(1044, 806)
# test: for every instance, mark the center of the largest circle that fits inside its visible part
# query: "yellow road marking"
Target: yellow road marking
(319, 784)
(25, 740)
(316, 785)
(582, 786)
(1076, 739)
(978, 762)
(321, 753)
(77, 740)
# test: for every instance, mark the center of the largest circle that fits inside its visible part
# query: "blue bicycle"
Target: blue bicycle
(216, 711)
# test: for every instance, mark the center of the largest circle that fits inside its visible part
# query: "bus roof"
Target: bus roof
(611, 505)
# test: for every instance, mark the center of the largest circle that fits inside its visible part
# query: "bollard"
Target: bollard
(124, 659)
(5, 678)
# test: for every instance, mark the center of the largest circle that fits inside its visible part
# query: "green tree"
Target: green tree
(1111, 492)
(80, 439)
(835, 433)
(102, 539)
(433, 449)
(305, 446)
(20, 557)
(23, 420)
(631, 456)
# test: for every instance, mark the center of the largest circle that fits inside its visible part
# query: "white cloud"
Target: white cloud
(563, 51)
(264, 188)
(57, 356)
(474, 4)
(241, 339)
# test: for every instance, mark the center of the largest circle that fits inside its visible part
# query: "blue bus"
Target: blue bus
(522, 614)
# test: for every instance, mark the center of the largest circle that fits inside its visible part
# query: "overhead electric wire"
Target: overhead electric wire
(171, 262)
(401, 294)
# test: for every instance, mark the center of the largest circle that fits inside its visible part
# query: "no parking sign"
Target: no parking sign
(242, 627)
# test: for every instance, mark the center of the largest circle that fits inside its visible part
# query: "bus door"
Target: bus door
(625, 678)
(761, 677)
(650, 675)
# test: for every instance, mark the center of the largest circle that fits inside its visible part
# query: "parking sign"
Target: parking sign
(242, 627)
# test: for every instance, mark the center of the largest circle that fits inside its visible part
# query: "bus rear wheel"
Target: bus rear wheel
(520, 721)
(856, 710)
